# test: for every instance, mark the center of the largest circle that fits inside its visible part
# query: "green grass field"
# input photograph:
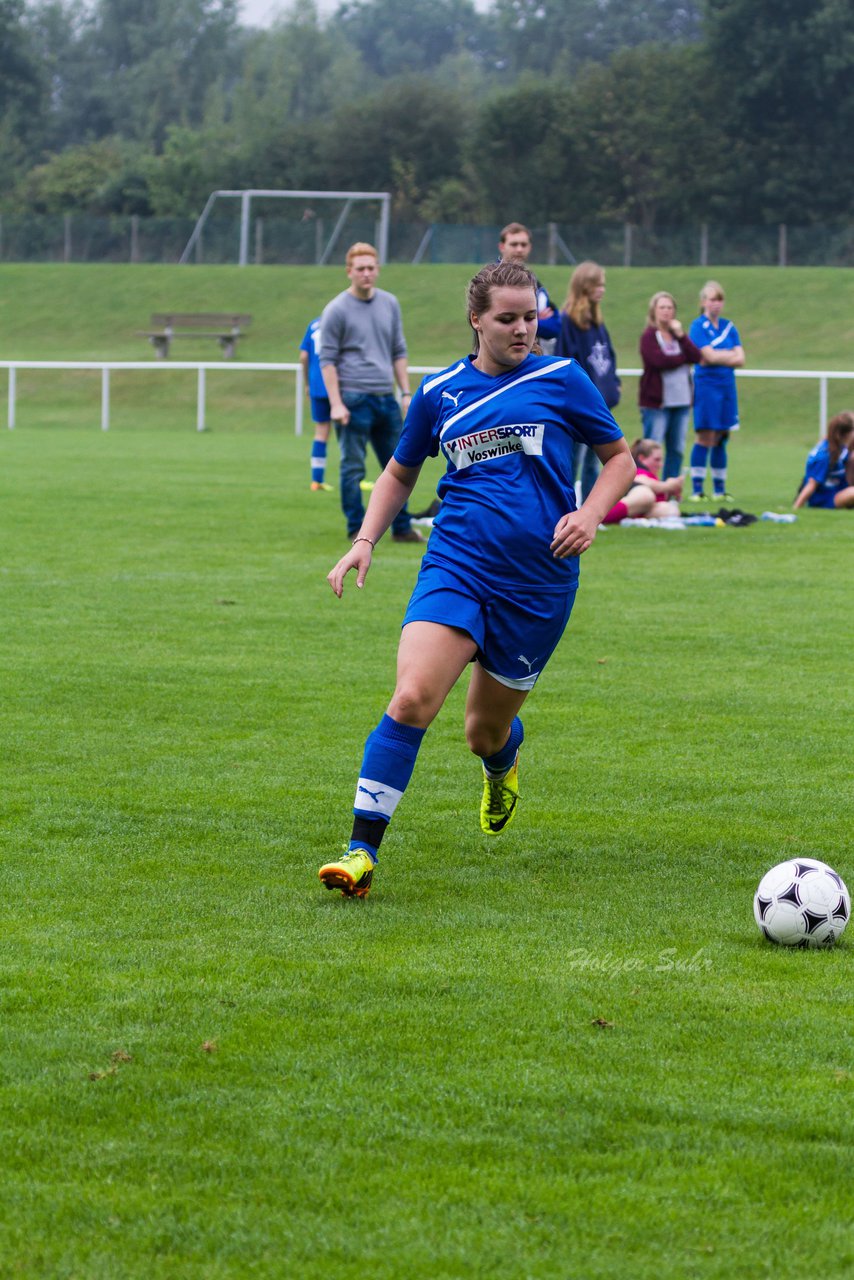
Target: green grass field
(564, 1055)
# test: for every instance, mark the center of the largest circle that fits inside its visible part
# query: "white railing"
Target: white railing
(106, 367)
(823, 376)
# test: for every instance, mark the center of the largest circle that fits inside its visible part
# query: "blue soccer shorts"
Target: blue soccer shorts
(715, 407)
(824, 497)
(515, 632)
(320, 411)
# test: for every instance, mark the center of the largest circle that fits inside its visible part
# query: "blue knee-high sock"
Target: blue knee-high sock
(390, 754)
(699, 459)
(496, 766)
(318, 461)
(718, 467)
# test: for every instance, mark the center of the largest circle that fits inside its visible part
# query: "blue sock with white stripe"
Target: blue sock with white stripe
(718, 467)
(390, 754)
(318, 461)
(496, 766)
(699, 459)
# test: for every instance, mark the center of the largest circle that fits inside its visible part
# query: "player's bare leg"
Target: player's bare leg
(430, 660)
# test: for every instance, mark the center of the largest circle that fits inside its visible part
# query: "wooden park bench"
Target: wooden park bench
(225, 326)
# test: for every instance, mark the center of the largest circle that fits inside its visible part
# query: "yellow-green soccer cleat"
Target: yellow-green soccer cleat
(500, 797)
(352, 874)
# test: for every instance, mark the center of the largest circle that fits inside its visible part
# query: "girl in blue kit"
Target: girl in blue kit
(715, 400)
(309, 358)
(829, 477)
(498, 580)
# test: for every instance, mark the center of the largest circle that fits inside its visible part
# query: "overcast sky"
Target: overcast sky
(260, 13)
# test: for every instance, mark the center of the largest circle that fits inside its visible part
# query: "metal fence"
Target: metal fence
(299, 239)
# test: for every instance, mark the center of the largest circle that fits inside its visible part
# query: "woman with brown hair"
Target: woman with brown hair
(829, 477)
(499, 577)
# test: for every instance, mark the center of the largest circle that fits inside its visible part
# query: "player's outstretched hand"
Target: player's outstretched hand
(573, 534)
(358, 558)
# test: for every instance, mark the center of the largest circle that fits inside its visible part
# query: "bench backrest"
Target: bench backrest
(198, 319)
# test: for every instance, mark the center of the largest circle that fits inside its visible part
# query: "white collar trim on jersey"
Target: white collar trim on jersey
(443, 377)
(552, 367)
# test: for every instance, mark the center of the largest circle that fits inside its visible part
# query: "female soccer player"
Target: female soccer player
(829, 478)
(499, 577)
(715, 400)
(315, 387)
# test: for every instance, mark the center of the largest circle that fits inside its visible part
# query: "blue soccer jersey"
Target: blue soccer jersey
(311, 345)
(509, 444)
(828, 478)
(723, 336)
(548, 327)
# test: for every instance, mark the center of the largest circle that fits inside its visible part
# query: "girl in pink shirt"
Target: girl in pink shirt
(649, 497)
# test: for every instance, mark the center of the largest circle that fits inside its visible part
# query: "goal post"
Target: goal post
(247, 196)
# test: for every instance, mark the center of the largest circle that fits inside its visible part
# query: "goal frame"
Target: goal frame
(247, 195)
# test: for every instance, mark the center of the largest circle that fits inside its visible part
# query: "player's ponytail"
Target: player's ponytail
(496, 275)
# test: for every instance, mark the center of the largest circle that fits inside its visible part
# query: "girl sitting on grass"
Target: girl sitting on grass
(649, 497)
(829, 477)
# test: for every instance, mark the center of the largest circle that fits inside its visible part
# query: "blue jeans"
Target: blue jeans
(376, 419)
(585, 460)
(670, 428)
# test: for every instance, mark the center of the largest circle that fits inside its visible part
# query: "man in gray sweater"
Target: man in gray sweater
(362, 355)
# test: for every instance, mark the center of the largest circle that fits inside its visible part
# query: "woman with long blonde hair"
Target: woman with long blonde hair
(584, 337)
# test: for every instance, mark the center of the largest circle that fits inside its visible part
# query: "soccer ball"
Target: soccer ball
(802, 903)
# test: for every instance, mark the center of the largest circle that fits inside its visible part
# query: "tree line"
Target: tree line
(655, 112)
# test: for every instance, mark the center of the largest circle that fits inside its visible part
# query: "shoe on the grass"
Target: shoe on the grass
(411, 535)
(500, 798)
(352, 874)
(317, 486)
(695, 497)
(429, 512)
(722, 497)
